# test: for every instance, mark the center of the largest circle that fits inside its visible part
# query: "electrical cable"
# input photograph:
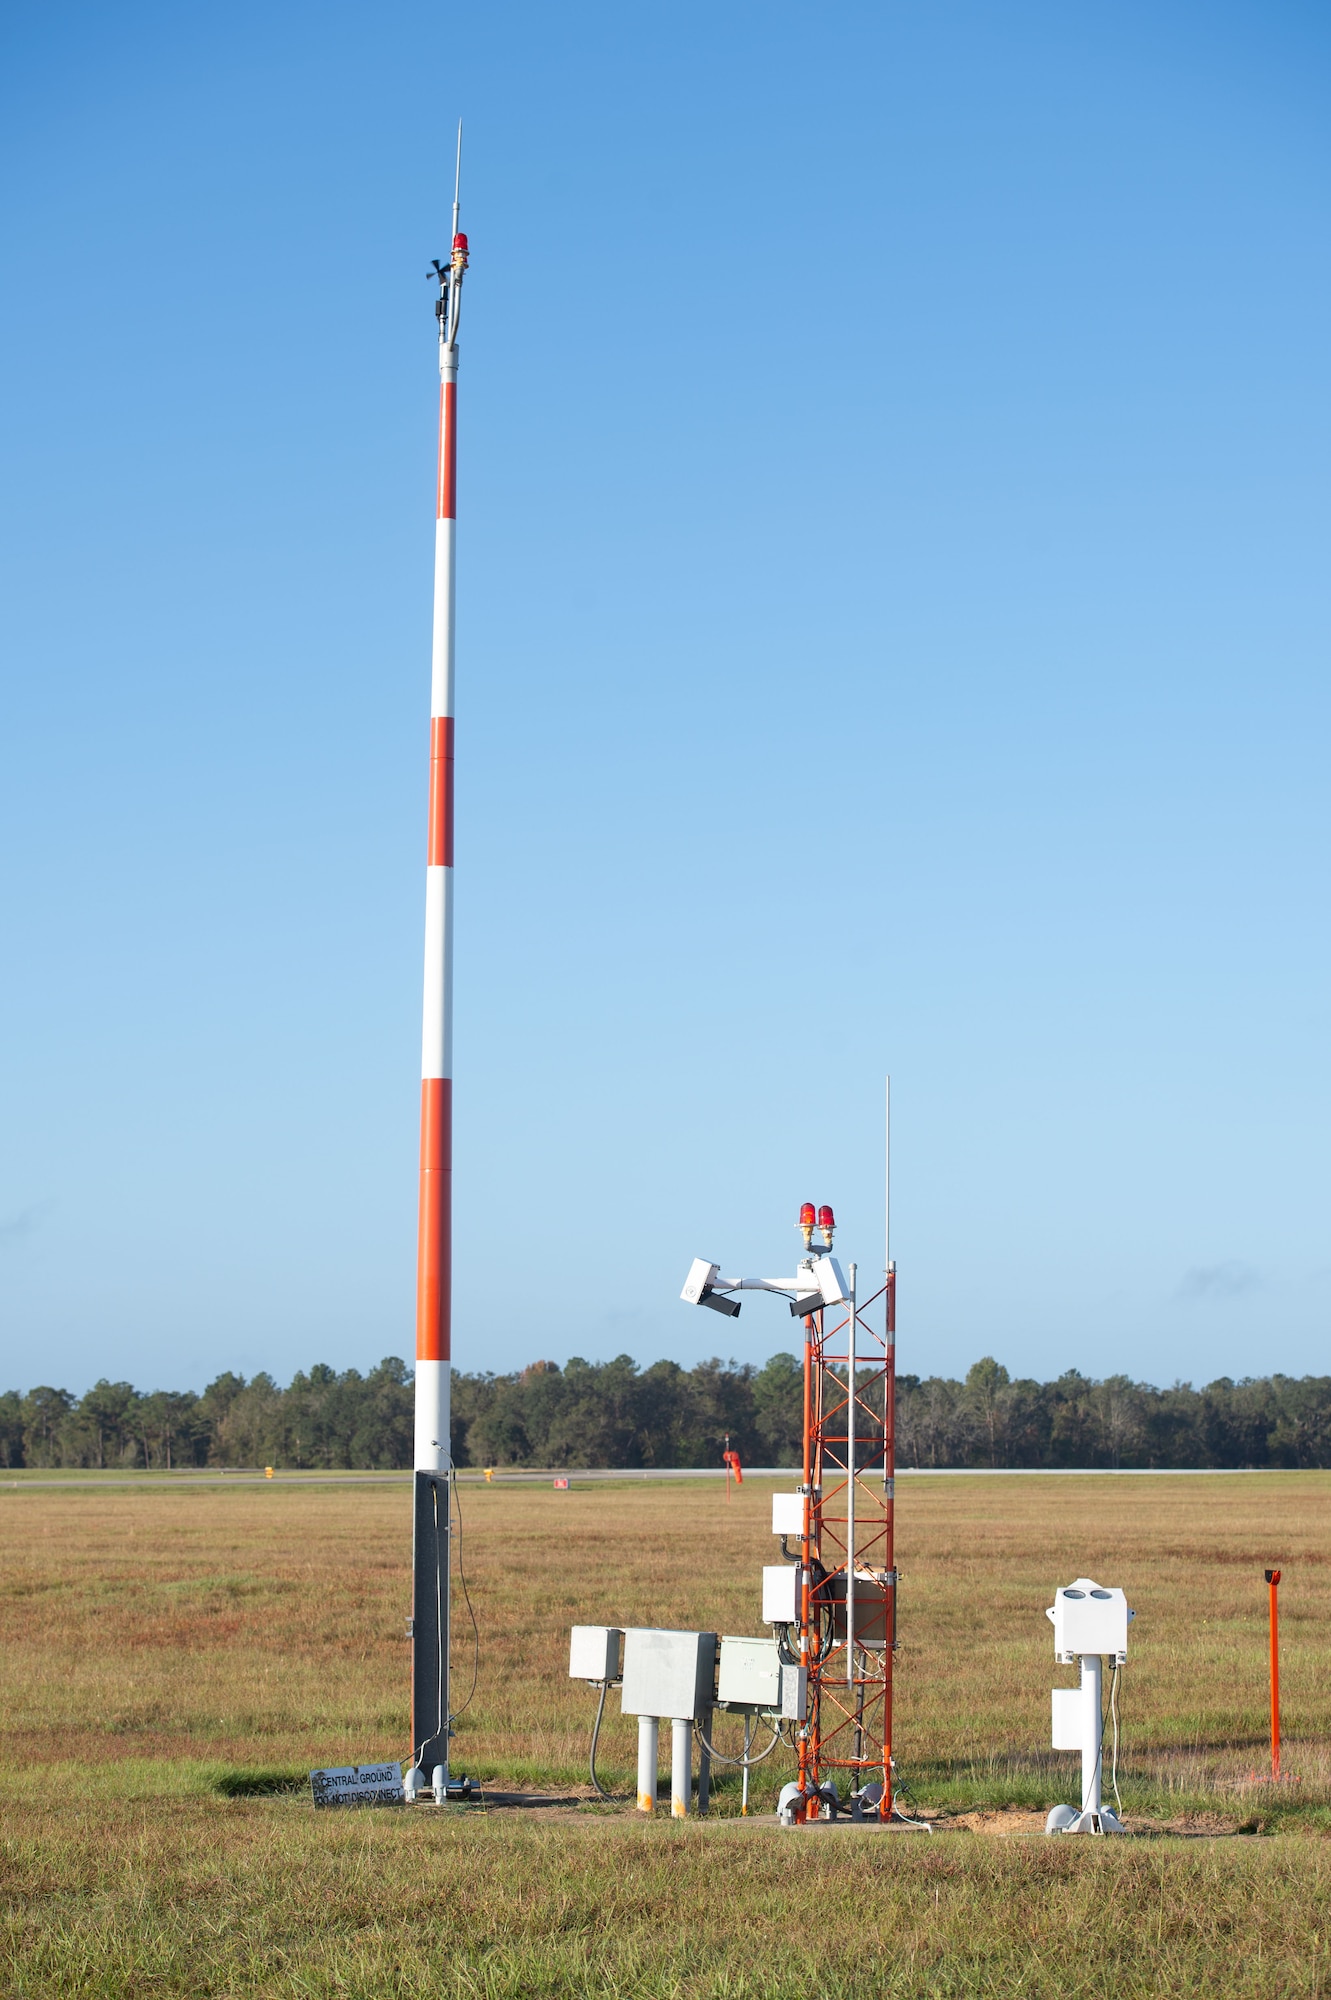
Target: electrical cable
(440, 1639)
(596, 1731)
(1113, 1710)
(741, 1763)
(466, 1595)
(451, 295)
(902, 1788)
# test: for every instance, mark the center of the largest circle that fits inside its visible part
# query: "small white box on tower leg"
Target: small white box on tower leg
(787, 1513)
(794, 1693)
(780, 1593)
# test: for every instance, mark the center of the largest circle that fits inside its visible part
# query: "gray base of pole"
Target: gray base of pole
(429, 1631)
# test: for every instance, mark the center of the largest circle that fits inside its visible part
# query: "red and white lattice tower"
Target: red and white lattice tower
(839, 1609)
(848, 1580)
(430, 1563)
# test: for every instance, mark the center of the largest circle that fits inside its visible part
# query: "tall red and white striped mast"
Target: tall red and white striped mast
(430, 1559)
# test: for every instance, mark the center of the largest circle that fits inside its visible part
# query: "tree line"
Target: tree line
(614, 1414)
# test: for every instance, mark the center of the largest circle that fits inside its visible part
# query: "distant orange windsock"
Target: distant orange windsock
(730, 1459)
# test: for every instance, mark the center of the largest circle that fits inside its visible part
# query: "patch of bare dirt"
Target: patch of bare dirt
(999, 1820)
(1014, 1820)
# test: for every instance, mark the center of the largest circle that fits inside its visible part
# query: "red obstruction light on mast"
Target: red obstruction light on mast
(827, 1223)
(808, 1222)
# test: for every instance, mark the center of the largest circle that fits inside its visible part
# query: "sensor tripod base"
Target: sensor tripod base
(1066, 1819)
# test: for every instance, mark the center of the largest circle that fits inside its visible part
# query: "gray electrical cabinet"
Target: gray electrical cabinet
(754, 1680)
(750, 1675)
(668, 1674)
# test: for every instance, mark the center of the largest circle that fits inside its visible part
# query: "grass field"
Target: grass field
(166, 1654)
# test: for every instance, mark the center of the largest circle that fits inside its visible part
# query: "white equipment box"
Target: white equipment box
(593, 1652)
(794, 1692)
(831, 1281)
(1069, 1718)
(668, 1673)
(702, 1276)
(787, 1513)
(781, 1582)
(1089, 1619)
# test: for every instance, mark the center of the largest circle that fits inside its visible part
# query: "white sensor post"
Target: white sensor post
(1090, 1625)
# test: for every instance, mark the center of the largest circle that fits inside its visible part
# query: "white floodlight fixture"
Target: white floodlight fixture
(820, 1281)
(700, 1289)
(1090, 1625)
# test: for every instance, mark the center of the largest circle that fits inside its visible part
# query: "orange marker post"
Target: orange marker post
(1273, 1579)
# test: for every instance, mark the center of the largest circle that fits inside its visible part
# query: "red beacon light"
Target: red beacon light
(827, 1223)
(459, 252)
(807, 1223)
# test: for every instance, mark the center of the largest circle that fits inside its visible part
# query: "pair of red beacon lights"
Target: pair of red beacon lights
(811, 1219)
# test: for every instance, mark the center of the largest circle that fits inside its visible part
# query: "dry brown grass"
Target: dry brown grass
(264, 1626)
(152, 1641)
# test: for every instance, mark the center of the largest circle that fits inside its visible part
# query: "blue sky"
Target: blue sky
(893, 634)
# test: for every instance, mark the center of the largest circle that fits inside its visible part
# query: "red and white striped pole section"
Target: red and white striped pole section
(434, 1236)
(432, 1460)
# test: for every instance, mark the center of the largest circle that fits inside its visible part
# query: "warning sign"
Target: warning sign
(358, 1785)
